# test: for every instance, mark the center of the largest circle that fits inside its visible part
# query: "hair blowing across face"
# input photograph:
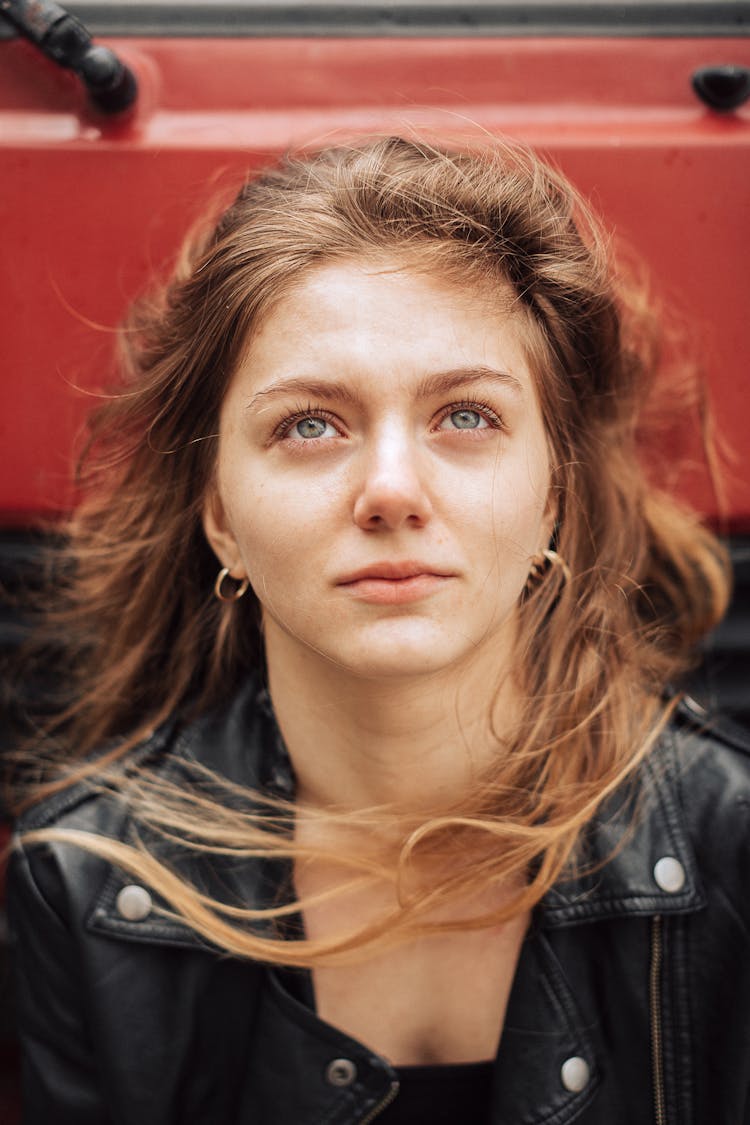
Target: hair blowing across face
(144, 635)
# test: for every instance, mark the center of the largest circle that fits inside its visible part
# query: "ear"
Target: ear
(219, 534)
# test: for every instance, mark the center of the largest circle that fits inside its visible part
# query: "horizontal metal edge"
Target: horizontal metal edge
(657, 18)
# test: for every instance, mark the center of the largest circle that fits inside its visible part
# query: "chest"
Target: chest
(440, 999)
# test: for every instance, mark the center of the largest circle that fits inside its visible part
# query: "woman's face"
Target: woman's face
(383, 472)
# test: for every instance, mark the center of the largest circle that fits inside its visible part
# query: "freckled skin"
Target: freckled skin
(315, 483)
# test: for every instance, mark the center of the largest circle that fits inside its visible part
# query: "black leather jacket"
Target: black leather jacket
(631, 1002)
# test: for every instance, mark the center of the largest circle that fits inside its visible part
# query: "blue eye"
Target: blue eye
(310, 427)
(464, 419)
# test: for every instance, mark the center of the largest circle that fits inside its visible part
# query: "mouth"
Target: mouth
(394, 583)
(394, 572)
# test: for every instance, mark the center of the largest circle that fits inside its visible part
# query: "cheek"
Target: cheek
(519, 503)
(273, 524)
(244, 502)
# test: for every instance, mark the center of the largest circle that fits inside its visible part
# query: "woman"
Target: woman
(368, 800)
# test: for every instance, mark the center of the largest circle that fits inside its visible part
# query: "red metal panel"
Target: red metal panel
(89, 208)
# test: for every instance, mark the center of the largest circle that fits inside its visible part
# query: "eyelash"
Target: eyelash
(284, 428)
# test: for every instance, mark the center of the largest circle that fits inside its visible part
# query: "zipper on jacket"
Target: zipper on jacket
(657, 1039)
(383, 1104)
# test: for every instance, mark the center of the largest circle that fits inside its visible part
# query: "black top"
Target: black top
(441, 1095)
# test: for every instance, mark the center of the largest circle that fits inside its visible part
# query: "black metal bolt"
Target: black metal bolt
(723, 88)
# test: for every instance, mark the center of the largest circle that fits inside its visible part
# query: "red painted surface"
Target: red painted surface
(89, 208)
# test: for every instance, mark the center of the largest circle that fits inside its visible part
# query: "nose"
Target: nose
(391, 493)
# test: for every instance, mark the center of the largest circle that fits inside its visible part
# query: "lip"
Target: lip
(395, 583)
(395, 572)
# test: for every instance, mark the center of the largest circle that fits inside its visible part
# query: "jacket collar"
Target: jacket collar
(640, 825)
(622, 849)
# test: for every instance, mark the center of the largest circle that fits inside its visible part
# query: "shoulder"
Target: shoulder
(709, 772)
(47, 874)
(711, 754)
(88, 801)
(227, 741)
(237, 743)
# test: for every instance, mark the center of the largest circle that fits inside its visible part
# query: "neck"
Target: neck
(411, 743)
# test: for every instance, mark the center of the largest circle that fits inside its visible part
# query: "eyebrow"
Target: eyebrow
(439, 383)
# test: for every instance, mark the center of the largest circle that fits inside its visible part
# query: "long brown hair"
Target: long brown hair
(144, 638)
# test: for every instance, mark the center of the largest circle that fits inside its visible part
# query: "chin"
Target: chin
(404, 656)
(408, 667)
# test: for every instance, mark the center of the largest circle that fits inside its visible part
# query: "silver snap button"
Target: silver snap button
(341, 1072)
(694, 706)
(575, 1073)
(669, 874)
(134, 903)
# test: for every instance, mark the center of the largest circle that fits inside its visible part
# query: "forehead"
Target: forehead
(386, 318)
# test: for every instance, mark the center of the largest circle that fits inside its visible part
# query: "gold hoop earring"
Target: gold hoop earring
(238, 591)
(554, 559)
(542, 564)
